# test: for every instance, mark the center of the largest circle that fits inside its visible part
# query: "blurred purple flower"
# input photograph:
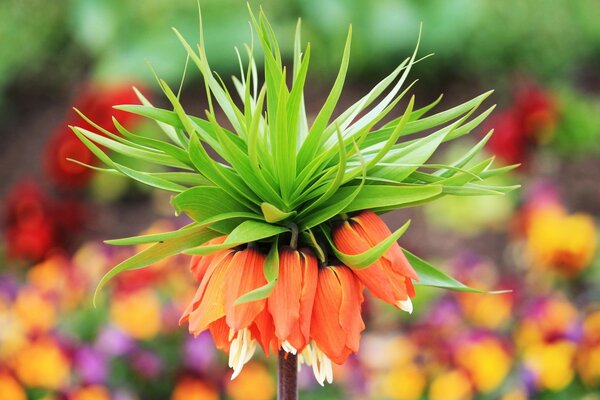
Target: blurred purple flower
(91, 365)
(8, 287)
(146, 363)
(199, 352)
(114, 342)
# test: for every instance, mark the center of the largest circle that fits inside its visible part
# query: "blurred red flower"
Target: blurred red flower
(35, 224)
(29, 226)
(531, 120)
(95, 102)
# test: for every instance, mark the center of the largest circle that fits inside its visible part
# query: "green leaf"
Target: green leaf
(154, 157)
(376, 196)
(431, 276)
(152, 238)
(246, 232)
(314, 139)
(271, 270)
(332, 208)
(168, 129)
(203, 202)
(146, 178)
(367, 258)
(169, 247)
(273, 214)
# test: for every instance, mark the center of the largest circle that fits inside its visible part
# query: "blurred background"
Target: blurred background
(541, 341)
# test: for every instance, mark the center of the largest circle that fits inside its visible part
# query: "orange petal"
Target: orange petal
(383, 282)
(263, 330)
(284, 301)
(325, 328)
(202, 288)
(211, 306)
(348, 241)
(310, 272)
(246, 274)
(371, 227)
(350, 309)
(220, 334)
(199, 264)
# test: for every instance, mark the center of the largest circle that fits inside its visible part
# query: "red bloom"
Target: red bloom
(531, 120)
(30, 230)
(390, 277)
(95, 102)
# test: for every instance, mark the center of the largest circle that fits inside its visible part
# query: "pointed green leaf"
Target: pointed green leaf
(159, 251)
(431, 276)
(271, 274)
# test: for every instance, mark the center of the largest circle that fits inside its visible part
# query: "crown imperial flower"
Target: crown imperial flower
(280, 180)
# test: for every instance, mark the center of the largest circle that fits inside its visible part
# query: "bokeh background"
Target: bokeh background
(540, 341)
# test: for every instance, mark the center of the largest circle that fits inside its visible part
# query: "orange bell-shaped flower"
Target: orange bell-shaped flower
(291, 301)
(390, 277)
(230, 275)
(336, 319)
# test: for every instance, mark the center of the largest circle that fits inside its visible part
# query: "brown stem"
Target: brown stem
(287, 377)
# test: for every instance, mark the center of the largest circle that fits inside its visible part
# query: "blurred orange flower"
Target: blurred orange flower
(93, 392)
(137, 313)
(10, 389)
(42, 363)
(255, 383)
(559, 241)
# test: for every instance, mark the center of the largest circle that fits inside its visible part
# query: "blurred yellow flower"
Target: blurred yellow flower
(404, 383)
(12, 334)
(34, 310)
(10, 389)
(451, 385)
(43, 364)
(190, 388)
(486, 311)
(93, 392)
(137, 313)
(254, 383)
(551, 364)
(555, 316)
(486, 362)
(559, 241)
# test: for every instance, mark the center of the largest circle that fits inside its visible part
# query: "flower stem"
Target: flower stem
(294, 239)
(287, 377)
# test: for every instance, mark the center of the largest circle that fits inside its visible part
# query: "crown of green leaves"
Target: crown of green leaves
(280, 174)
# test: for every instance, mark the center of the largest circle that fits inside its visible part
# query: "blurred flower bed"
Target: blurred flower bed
(542, 340)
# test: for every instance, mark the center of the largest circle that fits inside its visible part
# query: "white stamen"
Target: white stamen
(322, 366)
(240, 351)
(305, 357)
(287, 346)
(406, 305)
